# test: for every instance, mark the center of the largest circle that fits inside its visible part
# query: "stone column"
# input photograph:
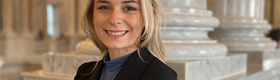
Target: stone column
(82, 5)
(61, 14)
(27, 37)
(7, 16)
(17, 27)
(242, 25)
(25, 16)
(10, 41)
(13, 63)
(72, 22)
(185, 35)
(188, 49)
(34, 17)
(39, 25)
(38, 17)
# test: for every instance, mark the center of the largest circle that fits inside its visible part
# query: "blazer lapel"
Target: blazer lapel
(134, 66)
(96, 74)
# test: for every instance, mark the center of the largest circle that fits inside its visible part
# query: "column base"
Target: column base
(191, 51)
(261, 60)
(209, 69)
(272, 74)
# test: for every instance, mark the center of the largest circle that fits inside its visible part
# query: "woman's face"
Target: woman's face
(118, 23)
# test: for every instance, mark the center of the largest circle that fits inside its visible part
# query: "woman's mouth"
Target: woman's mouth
(116, 33)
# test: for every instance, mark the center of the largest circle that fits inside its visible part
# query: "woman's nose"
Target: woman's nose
(116, 18)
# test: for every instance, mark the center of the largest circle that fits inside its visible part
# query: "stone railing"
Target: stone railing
(63, 46)
(41, 47)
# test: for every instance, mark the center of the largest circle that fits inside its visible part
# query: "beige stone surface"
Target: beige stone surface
(209, 69)
(261, 60)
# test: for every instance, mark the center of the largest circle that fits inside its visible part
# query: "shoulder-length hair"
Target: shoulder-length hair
(150, 38)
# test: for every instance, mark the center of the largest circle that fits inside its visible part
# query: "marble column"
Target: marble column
(242, 25)
(11, 38)
(188, 49)
(27, 37)
(34, 15)
(12, 62)
(37, 17)
(82, 5)
(7, 15)
(185, 35)
(72, 23)
(25, 16)
(17, 27)
(61, 15)
(39, 26)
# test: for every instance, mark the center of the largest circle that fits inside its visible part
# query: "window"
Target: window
(52, 21)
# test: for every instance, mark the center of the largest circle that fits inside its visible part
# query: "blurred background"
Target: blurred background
(30, 29)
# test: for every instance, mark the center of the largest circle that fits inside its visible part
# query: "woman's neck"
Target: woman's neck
(117, 53)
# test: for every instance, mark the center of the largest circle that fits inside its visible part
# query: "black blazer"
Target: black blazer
(133, 69)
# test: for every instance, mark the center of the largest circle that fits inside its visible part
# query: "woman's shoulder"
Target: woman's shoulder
(160, 71)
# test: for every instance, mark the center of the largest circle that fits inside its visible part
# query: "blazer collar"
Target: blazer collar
(96, 74)
(133, 68)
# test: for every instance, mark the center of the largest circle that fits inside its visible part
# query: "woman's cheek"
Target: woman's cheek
(134, 21)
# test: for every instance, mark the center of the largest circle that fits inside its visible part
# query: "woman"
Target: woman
(127, 32)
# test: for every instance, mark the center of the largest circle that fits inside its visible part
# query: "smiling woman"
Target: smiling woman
(127, 32)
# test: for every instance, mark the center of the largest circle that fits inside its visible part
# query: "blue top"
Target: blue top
(112, 68)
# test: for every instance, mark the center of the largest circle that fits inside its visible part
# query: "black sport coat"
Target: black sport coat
(133, 69)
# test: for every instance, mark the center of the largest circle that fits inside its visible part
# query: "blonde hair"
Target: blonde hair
(152, 14)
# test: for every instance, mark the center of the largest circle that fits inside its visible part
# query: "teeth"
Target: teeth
(116, 33)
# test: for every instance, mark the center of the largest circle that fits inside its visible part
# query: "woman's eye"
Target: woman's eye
(129, 8)
(103, 8)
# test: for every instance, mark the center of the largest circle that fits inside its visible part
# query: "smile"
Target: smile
(116, 33)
